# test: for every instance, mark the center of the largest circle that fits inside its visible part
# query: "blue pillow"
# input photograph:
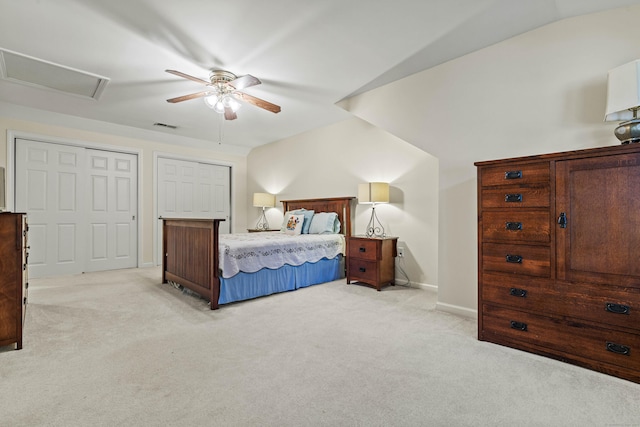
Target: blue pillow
(324, 223)
(308, 215)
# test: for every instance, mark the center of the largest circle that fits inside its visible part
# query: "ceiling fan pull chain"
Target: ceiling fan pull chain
(220, 124)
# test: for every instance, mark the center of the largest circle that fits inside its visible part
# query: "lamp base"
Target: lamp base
(628, 132)
(373, 229)
(262, 223)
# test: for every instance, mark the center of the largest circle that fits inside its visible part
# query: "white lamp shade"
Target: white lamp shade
(373, 192)
(264, 200)
(623, 92)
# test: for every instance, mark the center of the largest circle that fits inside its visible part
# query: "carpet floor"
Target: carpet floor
(120, 348)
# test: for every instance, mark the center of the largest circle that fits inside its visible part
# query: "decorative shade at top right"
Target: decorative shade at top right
(623, 92)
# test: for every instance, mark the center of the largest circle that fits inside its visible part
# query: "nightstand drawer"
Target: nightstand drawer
(364, 249)
(367, 271)
(371, 260)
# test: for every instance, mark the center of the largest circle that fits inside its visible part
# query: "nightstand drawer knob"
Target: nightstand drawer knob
(513, 198)
(617, 308)
(522, 293)
(618, 348)
(513, 226)
(518, 325)
(362, 269)
(515, 259)
(361, 249)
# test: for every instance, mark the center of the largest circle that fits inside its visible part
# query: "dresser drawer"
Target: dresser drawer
(364, 249)
(516, 226)
(515, 174)
(517, 259)
(534, 196)
(574, 340)
(360, 269)
(608, 305)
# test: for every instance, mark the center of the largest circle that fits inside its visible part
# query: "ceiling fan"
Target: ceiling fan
(224, 91)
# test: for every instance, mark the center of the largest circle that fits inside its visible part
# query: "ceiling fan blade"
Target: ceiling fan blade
(229, 114)
(188, 97)
(187, 76)
(258, 102)
(244, 82)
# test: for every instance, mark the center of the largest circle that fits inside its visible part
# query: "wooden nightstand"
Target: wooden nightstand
(371, 260)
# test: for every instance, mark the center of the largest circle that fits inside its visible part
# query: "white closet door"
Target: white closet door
(188, 189)
(111, 210)
(215, 196)
(81, 205)
(49, 188)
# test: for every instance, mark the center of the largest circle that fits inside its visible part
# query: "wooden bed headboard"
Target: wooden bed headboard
(339, 205)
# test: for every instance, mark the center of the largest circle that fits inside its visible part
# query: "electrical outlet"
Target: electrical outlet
(400, 251)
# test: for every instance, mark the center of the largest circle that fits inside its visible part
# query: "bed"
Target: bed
(194, 255)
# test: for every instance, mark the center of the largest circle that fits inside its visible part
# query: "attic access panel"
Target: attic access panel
(38, 73)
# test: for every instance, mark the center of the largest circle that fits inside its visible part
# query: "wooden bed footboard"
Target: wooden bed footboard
(190, 255)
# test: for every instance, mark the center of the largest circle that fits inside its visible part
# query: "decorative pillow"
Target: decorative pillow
(294, 224)
(324, 223)
(287, 214)
(307, 218)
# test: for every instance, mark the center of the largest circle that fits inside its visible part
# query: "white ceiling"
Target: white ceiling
(309, 54)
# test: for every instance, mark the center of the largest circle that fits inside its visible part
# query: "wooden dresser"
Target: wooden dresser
(371, 260)
(559, 256)
(13, 277)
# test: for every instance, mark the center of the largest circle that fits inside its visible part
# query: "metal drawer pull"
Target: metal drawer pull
(362, 269)
(518, 292)
(362, 249)
(513, 226)
(518, 325)
(617, 308)
(513, 175)
(562, 220)
(618, 348)
(513, 198)
(515, 259)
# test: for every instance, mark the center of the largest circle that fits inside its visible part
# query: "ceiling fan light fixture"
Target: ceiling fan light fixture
(219, 107)
(230, 102)
(211, 100)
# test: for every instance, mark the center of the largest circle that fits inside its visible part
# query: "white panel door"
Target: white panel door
(188, 189)
(81, 205)
(50, 189)
(111, 210)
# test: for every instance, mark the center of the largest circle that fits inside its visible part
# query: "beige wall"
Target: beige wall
(540, 92)
(333, 160)
(147, 148)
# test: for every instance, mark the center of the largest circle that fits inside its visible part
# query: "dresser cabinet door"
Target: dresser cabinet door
(598, 214)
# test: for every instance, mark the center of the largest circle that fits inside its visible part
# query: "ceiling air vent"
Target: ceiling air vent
(164, 125)
(35, 72)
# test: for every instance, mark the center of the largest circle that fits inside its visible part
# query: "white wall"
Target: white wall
(543, 91)
(333, 160)
(147, 148)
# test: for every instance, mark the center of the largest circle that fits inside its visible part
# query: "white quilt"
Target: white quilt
(250, 252)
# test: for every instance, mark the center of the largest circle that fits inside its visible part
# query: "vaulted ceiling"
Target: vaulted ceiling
(308, 54)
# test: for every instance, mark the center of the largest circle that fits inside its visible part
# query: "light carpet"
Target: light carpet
(119, 348)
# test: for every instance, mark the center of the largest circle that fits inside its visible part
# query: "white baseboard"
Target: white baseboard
(458, 310)
(146, 265)
(425, 286)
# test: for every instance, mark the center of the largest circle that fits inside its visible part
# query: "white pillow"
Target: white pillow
(293, 224)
